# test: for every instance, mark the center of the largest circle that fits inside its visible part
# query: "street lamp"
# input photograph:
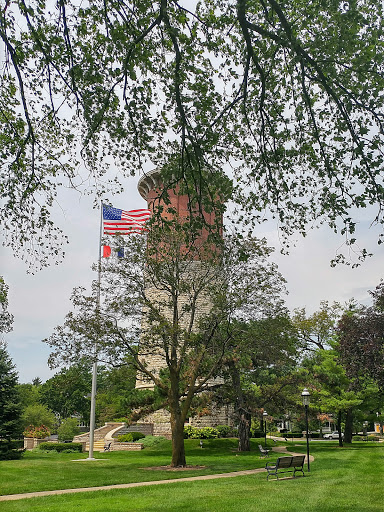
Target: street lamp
(265, 414)
(305, 396)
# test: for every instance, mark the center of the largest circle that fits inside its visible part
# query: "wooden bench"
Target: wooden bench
(263, 451)
(286, 465)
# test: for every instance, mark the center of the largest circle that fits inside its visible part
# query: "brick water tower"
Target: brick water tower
(175, 204)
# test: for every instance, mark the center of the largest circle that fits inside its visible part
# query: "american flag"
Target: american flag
(120, 222)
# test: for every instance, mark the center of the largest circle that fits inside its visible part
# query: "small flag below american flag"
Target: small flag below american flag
(120, 222)
(106, 251)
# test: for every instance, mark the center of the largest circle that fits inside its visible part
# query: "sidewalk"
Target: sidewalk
(13, 497)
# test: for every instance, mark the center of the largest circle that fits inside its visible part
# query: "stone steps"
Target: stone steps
(98, 446)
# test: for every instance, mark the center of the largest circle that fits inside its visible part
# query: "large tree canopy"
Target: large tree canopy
(287, 96)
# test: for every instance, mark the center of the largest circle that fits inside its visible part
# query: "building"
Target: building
(176, 205)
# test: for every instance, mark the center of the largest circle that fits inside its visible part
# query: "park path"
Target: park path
(13, 497)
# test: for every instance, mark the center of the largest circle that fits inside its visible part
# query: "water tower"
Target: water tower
(177, 204)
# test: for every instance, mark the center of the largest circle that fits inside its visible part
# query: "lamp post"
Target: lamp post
(265, 414)
(305, 396)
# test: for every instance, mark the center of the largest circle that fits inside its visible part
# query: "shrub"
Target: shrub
(226, 431)
(255, 432)
(61, 447)
(294, 435)
(131, 437)
(191, 432)
(125, 438)
(372, 437)
(149, 441)
(68, 429)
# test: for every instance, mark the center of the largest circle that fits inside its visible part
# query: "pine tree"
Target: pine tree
(10, 410)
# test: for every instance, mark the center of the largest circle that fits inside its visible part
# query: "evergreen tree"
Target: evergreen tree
(10, 410)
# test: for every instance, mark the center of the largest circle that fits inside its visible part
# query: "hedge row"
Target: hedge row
(293, 435)
(61, 447)
(370, 437)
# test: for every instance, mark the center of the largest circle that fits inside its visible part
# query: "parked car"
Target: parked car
(333, 435)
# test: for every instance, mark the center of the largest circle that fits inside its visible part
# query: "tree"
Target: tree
(361, 340)
(180, 305)
(68, 429)
(333, 390)
(319, 329)
(10, 411)
(259, 365)
(116, 395)
(37, 415)
(66, 392)
(289, 93)
(28, 395)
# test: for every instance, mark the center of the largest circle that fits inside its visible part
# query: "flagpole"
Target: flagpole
(94, 370)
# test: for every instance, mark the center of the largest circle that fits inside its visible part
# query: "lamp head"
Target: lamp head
(305, 396)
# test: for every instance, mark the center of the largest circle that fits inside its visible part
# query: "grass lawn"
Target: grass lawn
(341, 479)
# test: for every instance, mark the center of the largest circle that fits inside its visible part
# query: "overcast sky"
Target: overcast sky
(39, 302)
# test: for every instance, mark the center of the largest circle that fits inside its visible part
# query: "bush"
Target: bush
(226, 431)
(294, 435)
(11, 450)
(68, 429)
(149, 441)
(255, 432)
(131, 437)
(191, 432)
(61, 447)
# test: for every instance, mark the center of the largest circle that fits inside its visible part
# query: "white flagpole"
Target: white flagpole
(94, 371)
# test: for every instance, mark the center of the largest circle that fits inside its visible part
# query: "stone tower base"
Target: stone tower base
(160, 420)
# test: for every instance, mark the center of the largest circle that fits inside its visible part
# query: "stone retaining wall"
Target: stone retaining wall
(116, 446)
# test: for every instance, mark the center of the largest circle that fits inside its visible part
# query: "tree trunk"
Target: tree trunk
(348, 426)
(244, 432)
(178, 449)
(177, 423)
(241, 411)
(339, 428)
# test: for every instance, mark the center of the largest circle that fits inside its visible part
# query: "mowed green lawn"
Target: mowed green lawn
(341, 479)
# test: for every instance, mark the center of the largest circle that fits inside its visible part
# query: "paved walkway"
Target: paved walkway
(12, 497)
